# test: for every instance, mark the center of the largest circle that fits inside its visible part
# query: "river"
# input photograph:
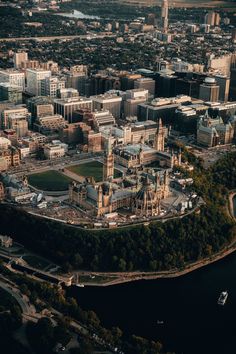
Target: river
(193, 321)
(78, 15)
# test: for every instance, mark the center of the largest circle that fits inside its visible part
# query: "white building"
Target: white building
(14, 77)
(55, 150)
(4, 143)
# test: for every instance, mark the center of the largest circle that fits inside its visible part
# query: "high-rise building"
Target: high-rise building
(34, 78)
(51, 85)
(11, 93)
(164, 15)
(39, 107)
(20, 58)
(217, 19)
(210, 18)
(76, 78)
(13, 77)
(66, 107)
(108, 102)
(19, 124)
(209, 90)
(223, 81)
(146, 83)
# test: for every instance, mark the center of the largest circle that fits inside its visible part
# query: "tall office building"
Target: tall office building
(108, 102)
(40, 106)
(164, 15)
(209, 90)
(76, 78)
(19, 59)
(34, 78)
(66, 107)
(131, 101)
(51, 85)
(146, 83)
(210, 18)
(19, 124)
(217, 19)
(223, 81)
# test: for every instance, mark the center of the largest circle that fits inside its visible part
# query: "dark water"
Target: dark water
(193, 322)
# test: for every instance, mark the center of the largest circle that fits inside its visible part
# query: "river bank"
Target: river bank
(112, 278)
(109, 279)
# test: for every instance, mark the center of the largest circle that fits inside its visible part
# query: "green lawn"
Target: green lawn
(91, 169)
(49, 181)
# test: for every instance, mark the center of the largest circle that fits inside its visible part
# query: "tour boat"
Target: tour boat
(222, 298)
(80, 285)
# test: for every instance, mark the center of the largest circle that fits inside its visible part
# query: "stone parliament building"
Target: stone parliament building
(138, 192)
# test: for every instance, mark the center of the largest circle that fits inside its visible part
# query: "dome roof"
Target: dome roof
(146, 192)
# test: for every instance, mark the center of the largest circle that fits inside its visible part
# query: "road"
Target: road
(14, 292)
(53, 38)
(34, 166)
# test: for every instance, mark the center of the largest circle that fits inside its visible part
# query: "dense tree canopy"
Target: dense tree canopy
(155, 247)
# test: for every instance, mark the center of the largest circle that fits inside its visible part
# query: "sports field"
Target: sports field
(91, 169)
(49, 181)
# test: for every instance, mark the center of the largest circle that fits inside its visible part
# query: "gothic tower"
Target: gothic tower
(159, 143)
(108, 165)
(100, 200)
(166, 189)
